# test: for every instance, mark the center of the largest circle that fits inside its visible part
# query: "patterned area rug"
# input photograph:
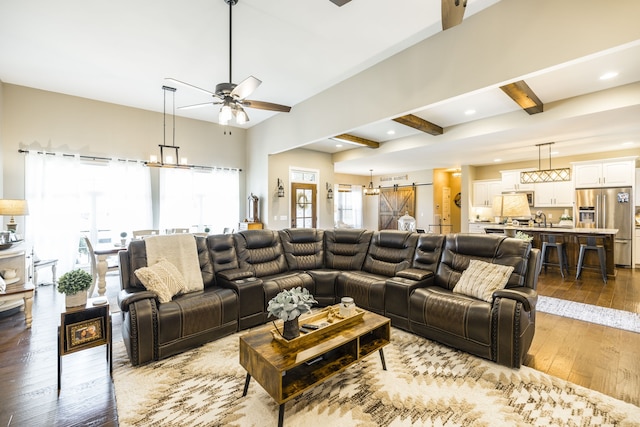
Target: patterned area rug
(426, 384)
(590, 313)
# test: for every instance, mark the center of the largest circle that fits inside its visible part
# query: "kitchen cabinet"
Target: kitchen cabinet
(511, 181)
(552, 194)
(607, 173)
(484, 191)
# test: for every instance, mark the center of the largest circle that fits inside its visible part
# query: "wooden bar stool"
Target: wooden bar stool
(555, 241)
(592, 243)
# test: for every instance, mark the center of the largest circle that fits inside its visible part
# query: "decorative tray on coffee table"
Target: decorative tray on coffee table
(327, 320)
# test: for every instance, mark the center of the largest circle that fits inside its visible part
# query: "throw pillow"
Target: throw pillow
(481, 279)
(162, 278)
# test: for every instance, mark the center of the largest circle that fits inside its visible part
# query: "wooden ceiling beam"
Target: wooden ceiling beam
(452, 12)
(522, 94)
(420, 124)
(357, 140)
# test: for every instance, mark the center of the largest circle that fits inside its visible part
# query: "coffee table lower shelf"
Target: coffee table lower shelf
(285, 373)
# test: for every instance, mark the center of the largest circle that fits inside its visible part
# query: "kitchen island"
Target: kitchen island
(572, 244)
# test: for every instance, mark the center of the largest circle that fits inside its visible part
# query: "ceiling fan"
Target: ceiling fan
(233, 96)
(452, 11)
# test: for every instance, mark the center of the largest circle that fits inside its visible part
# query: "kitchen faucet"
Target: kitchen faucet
(541, 218)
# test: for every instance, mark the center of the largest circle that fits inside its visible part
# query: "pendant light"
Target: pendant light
(545, 175)
(370, 191)
(172, 159)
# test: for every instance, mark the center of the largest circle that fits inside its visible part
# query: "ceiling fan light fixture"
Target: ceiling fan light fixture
(226, 114)
(241, 116)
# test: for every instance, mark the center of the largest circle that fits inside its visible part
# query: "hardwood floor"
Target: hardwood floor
(593, 356)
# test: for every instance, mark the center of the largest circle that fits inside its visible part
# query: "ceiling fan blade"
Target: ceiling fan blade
(452, 12)
(190, 85)
(188, 107)
(261, 105)
(246, 87)
(340, 2)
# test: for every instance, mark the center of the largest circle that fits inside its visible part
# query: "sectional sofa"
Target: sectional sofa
(405, 276)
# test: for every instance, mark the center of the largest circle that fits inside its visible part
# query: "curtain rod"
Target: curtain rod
(108, 159)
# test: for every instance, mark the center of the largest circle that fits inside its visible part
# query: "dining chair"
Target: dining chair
(141, 234)
(177, 230)
(93, 264)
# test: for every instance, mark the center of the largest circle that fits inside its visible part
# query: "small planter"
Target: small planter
(291, 329)
(76, 300)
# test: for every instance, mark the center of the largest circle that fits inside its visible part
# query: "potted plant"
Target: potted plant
(74, 285)
(123, 238)
(288, 305)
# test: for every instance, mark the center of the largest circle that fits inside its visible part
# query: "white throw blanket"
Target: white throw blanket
(181, 251)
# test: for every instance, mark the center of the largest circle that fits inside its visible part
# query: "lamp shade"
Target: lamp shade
(515, 205)
(13, 207)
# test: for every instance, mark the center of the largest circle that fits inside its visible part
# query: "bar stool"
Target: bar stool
(555, 241)
(592, 243)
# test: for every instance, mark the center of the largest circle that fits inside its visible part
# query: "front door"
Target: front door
(303, 205)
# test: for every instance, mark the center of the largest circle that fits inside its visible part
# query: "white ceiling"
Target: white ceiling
(122, 52)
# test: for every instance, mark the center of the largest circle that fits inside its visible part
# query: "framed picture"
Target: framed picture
(86, 333)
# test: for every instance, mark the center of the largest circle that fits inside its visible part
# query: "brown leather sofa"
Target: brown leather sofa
(389, 272)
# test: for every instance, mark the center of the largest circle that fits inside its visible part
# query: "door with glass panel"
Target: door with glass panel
(303, 205)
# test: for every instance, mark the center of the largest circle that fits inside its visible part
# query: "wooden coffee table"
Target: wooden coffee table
(287, 371)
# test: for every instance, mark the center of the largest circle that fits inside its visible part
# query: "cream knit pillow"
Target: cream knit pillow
(481, 279)
(162, 278)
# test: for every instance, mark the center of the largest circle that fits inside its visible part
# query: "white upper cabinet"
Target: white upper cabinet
(511, 181)
(483, 192)
(548, 194)
(607, 173)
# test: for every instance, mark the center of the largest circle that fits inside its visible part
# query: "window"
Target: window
(347, 206)
(199, 198)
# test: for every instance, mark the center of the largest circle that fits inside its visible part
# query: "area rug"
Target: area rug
(590, 313)
(425, 384)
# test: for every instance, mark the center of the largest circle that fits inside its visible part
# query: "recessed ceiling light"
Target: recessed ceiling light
(391, 132)
(609, 75)
(470, 112)
(554, 153)
(338, 145)
(497, 160)
(627, 143)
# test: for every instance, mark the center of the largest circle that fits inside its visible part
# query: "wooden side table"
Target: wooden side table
(82, 328)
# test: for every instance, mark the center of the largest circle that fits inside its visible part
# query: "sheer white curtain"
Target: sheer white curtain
(199, 198)
(68, 196)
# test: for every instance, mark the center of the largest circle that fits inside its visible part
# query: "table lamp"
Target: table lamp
(514, 205)
(11, 207)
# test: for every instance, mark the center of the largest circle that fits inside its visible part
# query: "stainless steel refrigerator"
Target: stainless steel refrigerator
(608, 208)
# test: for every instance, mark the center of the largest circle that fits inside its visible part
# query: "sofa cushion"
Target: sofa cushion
(163, 278)
(260, 252)
(389, 252)
(345, 249)
(303, 248)
(460, 249)
(366, 289)
(481, 279)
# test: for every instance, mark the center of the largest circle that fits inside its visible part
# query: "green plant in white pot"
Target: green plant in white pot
(74, 284)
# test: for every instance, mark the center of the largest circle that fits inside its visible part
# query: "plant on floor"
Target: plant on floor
(291, 303)
(74, 281)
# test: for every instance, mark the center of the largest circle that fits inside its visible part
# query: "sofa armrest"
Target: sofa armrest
(125, 298)
(234, 274)
(526, 296)
(415, 274)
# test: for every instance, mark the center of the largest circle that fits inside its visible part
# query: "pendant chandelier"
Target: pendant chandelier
(171, 159)
(545, 175)
(370, 191)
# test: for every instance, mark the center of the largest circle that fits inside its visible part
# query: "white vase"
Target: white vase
(76, 300)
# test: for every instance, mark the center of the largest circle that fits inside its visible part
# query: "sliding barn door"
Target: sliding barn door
(395, 202)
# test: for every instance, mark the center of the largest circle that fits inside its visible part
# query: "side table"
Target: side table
(82, 328)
